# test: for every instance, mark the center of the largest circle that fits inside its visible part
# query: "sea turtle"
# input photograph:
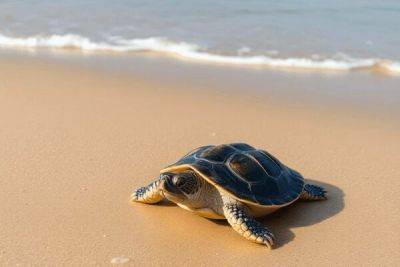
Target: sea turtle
(235, 182)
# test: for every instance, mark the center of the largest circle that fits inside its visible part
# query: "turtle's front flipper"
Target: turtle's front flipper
(313, 192)
(148, 194)
(238, 217)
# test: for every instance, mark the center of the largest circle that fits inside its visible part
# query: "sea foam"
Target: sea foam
(194, 52)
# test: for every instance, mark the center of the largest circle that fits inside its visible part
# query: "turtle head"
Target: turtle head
(180, 187)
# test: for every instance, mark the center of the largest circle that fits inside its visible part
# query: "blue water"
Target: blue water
(312, 30)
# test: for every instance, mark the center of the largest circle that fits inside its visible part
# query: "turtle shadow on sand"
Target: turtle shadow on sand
(301, 214)
(298, 214)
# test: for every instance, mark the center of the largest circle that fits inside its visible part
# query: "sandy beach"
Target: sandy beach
(75, 142)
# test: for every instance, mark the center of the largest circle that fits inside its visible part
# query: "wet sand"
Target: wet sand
(75, 143)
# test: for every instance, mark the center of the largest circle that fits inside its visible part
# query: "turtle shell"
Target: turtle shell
(248, 174)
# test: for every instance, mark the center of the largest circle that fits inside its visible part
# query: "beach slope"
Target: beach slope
(75, 143)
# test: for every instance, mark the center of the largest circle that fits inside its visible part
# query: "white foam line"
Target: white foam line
(393, 67)
(191, 52)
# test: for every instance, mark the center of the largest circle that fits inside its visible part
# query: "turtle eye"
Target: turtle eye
(186, 182)
(178, 181)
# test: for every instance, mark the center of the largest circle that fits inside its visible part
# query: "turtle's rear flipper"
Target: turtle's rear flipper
(313, 192)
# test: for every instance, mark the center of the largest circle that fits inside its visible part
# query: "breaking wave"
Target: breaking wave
(193, 52)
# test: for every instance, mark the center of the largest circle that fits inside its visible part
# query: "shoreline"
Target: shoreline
(365, 94)
(77, 140)
(193, 53)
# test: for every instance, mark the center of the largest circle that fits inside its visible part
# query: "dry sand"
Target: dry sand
(74, 143)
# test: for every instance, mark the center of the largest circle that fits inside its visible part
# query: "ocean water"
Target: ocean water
(307, 34)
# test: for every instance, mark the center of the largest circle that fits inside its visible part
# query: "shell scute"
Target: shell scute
(218, 153)
(245, 166)
(269, 164)
(267, 187)
(223, 176)
(242, 146)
